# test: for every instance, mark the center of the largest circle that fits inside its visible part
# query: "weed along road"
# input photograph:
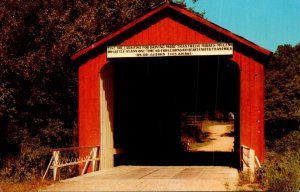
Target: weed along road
(153, 178)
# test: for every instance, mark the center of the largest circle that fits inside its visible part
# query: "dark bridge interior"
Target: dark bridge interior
(151, 95)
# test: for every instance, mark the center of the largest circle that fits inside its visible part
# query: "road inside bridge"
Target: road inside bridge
(153, 178)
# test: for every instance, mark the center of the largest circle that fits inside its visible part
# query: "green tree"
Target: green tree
(38, 84)
(282, 97)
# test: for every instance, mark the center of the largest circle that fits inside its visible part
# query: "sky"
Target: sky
(267, 23)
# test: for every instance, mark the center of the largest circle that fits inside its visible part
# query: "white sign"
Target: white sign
(169, 50)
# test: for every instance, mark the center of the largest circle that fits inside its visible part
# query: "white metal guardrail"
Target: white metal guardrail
(83, 156)
(249, 160)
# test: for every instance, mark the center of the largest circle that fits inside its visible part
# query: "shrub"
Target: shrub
(280, 171)
(27, 165)
(33, 154)
(245, 177)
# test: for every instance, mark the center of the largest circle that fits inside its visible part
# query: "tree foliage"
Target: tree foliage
(282, 98)
(38, 84)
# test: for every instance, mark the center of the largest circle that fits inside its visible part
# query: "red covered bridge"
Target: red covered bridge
(178, 62)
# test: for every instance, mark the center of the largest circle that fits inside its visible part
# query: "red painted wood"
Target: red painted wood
(259, 146)
(251, 102)
(257, 108)
(261, 155)
(169, 31)
(244, 100)
(89, 102)
(178, 10)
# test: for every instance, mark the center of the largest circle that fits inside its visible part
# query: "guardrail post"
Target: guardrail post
(251, 160)
(55, 165)
(94, 157)
(248, 161)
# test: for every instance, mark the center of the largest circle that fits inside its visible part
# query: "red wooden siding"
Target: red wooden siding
(251, 103)
(89, 101)
(167, 31)
(89, 76)
(170, 31)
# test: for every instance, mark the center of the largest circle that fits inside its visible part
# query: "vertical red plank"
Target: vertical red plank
(257, 110)
(151, 35)
(163, 31)
(189, 36)
(168, 29)
(252, 100)
(245, 110)
(181, 36)
(254, 110)
(260, 120)
(159, 33)
(262, 115)
(89, 102)
(144, 37)
(193, 35)
(81, 112)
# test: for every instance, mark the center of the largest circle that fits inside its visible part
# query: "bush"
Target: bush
(281, 169)
(33, 152)
(27, 165)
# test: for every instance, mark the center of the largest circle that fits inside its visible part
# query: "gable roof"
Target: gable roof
(181, 11)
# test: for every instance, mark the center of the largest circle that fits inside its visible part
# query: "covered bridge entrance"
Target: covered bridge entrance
(162, 108)
(156, 104)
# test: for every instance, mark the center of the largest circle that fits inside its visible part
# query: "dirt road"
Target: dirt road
(219, 138)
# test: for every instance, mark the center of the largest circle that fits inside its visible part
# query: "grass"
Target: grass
(281, 168)
(32, 186)
(248, 183)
